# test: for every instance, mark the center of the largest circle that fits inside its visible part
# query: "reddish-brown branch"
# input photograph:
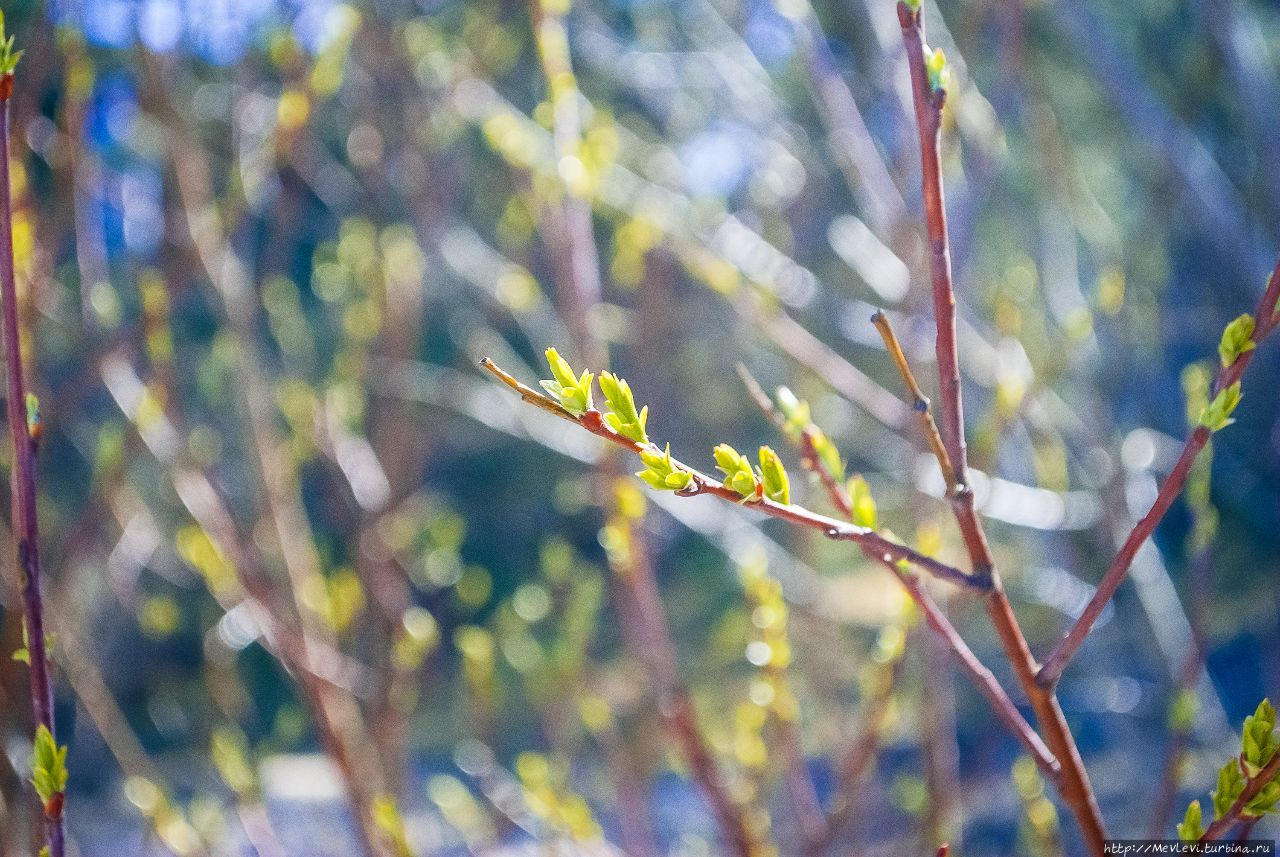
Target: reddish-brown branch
(1264, 323)
(702, 484)
(23, 475)
(1251, 788)
(1073, 784)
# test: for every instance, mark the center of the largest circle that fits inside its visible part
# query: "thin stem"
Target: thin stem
(1073, 784)
(1251, 789)
(887, 550)
(23, 475)
(1051, 672)
(919, 401)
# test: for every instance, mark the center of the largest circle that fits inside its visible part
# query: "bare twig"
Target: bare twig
(1264, 322)
(919, 401)
(23, 475)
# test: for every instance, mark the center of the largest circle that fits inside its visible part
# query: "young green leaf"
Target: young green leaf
(660, 472)
(623, 417)
(48, 766)
(1230, 785)
(573, 393)
(1259, 742)
(777, 486)
(1192, 826)
(738, 473)
(1217, 414)
(1237, 338)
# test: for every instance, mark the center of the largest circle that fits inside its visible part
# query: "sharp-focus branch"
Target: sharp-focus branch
(1264, 323)
(887, 550)
(982, 678)
(23, 474)
(1073, 784)
(1251, 789)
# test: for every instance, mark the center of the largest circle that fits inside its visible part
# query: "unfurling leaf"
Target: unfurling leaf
(1192, 827)
(777, 486)
(1230, 785)
(1259, 742)
(48, 766)
(573, 393)
(1217, 414)
(1237, 338)
(623, 417)
(738, 473)
(661, 472)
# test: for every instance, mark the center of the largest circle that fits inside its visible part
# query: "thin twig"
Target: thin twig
(1264, 322)
(1073, 784)
(23, 474)
(833, 529)
(919, 401)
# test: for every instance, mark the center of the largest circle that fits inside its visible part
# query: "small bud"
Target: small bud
(864, 505)
(935, 64)
(623, 417)
(1230, 785)
(1217, 414)
(1237, 338)
(738, 473)
(34, 424)
(661, 472)
(573, 393)
(48, 769)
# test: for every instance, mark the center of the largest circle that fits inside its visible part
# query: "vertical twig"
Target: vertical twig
(23, 475)
(1074, 781)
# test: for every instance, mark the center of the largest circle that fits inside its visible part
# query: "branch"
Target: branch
(928, 87)
(869, 540)
(982, 678)
(25, 528)
(1264, 322)
(919, 401)
(1251, 788)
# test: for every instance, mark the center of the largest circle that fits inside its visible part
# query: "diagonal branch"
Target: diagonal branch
(1251, 789)
(702, 484)
(1265, 319)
